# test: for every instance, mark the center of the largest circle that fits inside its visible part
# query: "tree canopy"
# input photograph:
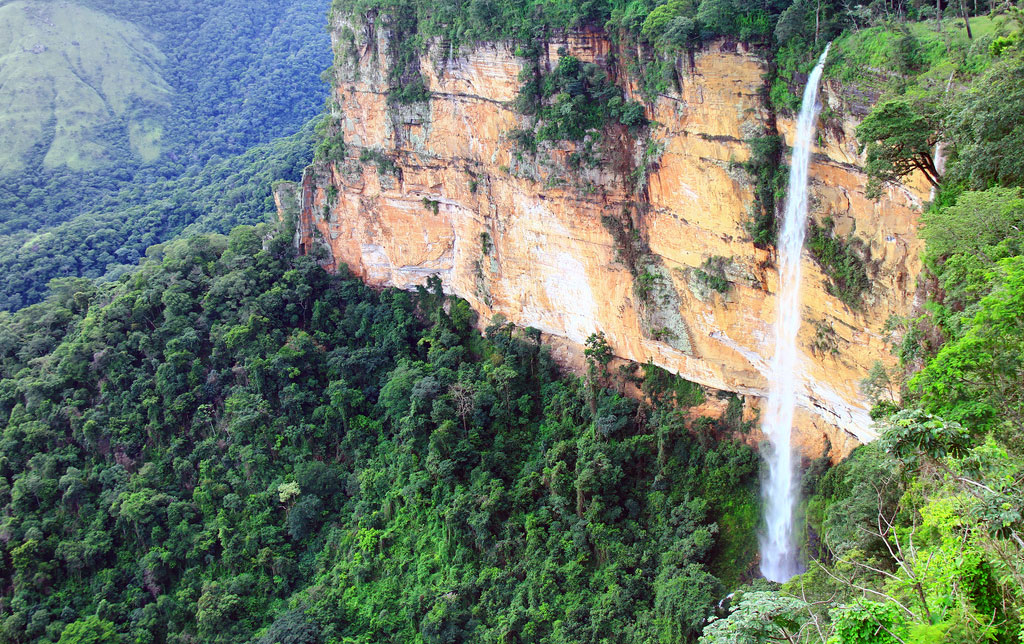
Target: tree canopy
(230, 445)
(899, 139)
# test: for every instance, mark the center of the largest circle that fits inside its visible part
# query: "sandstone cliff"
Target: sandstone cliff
(441, 190)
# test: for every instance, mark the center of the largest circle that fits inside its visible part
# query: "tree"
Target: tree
(91, 630)
(867, 622)
(912, 433)
(218, 612)
(978, 220)
(967, 21)
(683, 598)
(717, 17)
(658, 20)
(793, 22)
(290, 628)
(986, 125)
(881, 387)
(976, 379)
(598, 353)
(303, 517)
(899, 138)
(757, 617)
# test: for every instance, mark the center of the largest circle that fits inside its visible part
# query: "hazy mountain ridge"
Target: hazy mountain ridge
(106, 101)
(75, 85)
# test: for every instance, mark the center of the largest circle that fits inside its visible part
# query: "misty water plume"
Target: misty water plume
(779, 560)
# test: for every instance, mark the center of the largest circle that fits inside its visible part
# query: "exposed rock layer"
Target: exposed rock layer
(522, 235)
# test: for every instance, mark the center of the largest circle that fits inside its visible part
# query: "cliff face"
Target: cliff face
(442, 190)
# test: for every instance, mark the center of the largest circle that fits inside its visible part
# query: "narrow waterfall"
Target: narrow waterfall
(779, 559)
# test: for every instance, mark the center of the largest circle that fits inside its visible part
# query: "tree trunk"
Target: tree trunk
(926, 165)
(938, 15)
(817, 22)
(967, 21)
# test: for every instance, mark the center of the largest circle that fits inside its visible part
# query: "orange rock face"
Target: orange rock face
(525, 236)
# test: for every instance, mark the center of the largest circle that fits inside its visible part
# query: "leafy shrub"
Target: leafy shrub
(842, 262)
(712, 273)
(765, 164)
(660, 385)
(574, 100)
(384, 163)
(644, 283)
(331, 145)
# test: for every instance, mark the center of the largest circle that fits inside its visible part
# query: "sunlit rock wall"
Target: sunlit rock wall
(529, 238)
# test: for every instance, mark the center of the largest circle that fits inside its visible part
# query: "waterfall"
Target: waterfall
(778, 552)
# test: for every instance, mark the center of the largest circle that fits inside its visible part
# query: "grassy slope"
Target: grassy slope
(867, 55)
(69, 74)
(867, 59)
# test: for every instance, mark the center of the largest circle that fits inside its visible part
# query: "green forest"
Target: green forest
(233, 445)
(209, 438)
(187, 90)
(104, 243)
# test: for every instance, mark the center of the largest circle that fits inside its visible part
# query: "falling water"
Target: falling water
(778, 552)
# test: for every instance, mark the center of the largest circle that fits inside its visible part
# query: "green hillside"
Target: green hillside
(112, 239)
(115, 115)
(231, 445)
(78, 87)
(91, 84)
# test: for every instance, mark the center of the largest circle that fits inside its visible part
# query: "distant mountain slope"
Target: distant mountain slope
(76, 87)
(124, 121)
(112, 239)
(100, 95)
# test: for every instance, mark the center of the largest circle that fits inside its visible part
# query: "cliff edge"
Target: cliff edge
(646, 243)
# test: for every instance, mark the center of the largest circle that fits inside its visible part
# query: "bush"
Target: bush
(660, 385)
(765, 164)
(841, 261)
(712, 273)
(384, 163)
(574, 100)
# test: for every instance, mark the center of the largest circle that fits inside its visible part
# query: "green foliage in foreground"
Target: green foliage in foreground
(965, 242)
(231, 445)
(915, 540)
(977, 378)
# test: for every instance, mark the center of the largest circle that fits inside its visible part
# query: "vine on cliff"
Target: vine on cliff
(769, 172)
(844, 261)
(574, 102)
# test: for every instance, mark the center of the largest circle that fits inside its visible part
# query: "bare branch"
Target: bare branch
(851, 583)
